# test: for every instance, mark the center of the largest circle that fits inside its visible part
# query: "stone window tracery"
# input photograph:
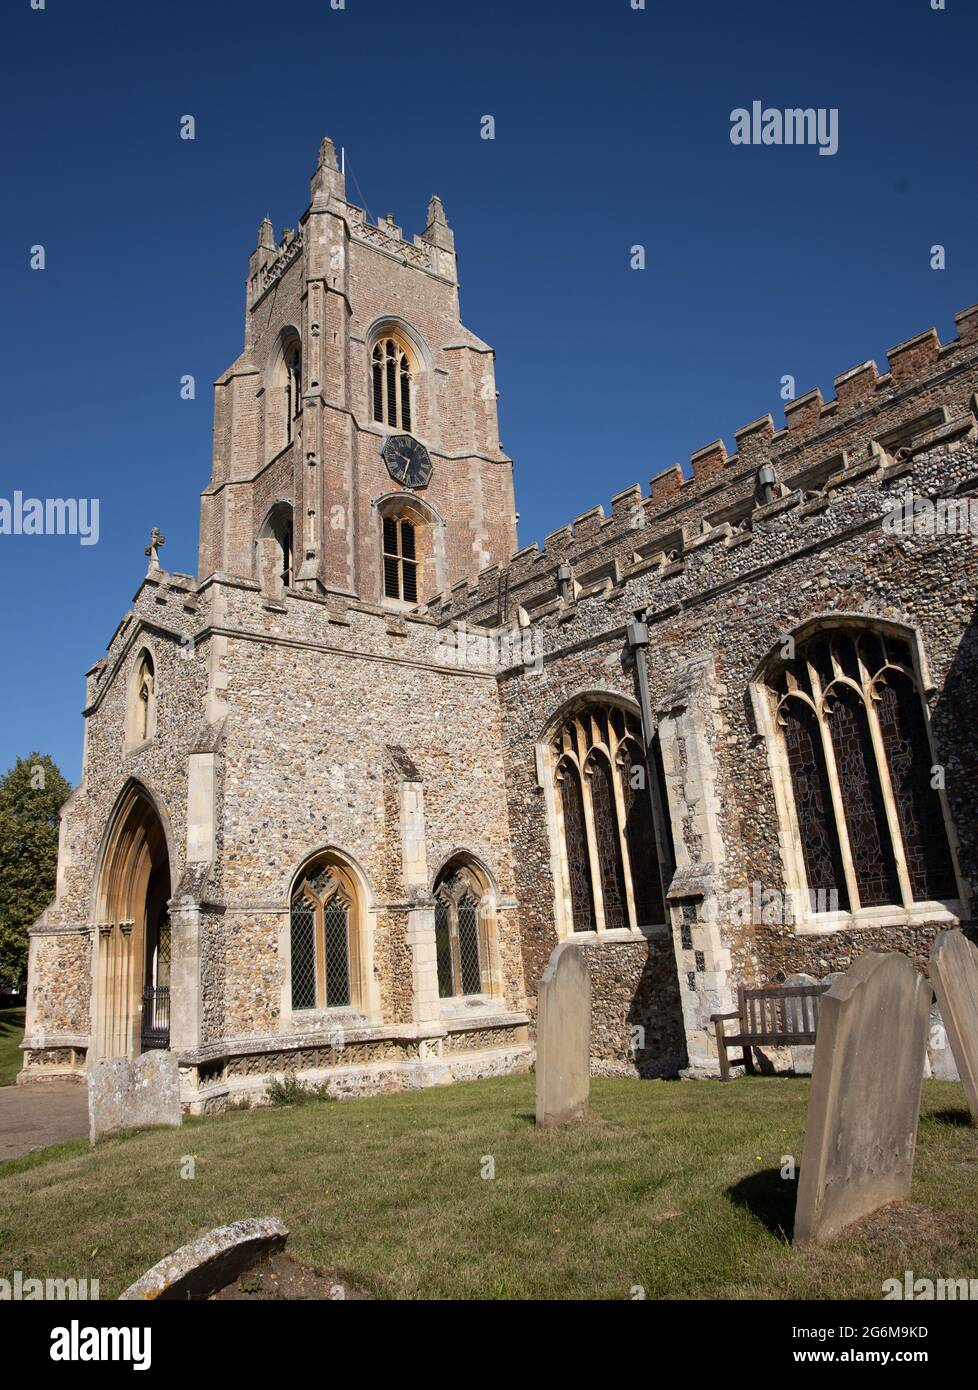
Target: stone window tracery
(324, 939)
(391, 384)
(869, 823)
(609, 856)
(461, 942)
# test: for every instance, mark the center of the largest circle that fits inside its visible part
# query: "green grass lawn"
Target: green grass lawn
(11, 1033)
(673, 1186)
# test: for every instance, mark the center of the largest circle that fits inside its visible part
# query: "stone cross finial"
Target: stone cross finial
(156, 539)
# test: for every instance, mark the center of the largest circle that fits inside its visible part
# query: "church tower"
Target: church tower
(356, 440)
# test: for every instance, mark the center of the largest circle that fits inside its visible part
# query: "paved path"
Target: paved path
(32, 1117)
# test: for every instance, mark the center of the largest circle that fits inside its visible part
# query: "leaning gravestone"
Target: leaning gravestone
(563, 1037)
(862, 1116)
(132, 1095)
(201, 1268)
(954, 972)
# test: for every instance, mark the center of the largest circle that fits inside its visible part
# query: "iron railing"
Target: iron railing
(156, 1017)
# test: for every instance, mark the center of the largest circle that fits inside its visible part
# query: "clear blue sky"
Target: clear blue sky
(612, 128)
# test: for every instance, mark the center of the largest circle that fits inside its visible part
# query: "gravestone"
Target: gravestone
(954, 972)
(862, 1116)
(205, 1265)
(133, 1095)
(940, 1058)
(563, 1037)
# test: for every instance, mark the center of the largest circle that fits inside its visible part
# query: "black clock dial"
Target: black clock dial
(407, 461)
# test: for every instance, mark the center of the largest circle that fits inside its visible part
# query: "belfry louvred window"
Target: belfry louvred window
(293, 365)
(391, 384)
(870, 823)
(608, 851)
(323, 939)
(400, 559)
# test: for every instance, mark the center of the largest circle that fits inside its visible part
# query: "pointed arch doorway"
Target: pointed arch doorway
(132, 965)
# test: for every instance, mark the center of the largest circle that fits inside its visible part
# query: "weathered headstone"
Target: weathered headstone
(862, 1116)
(940, 1058)
(954, 972)
(563, 1037)
(132, 1095)
(201, 1268)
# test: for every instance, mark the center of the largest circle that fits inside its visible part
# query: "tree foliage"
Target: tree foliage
(32, 793)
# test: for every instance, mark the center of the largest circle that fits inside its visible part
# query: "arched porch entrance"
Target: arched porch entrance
(132, 967)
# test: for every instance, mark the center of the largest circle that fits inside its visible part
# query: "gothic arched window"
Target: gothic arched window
(400, 559)
(275, 548)
(608, 853)
(282, 392)
(324, 938)
(461, 938)
(390, 384)
(141, 707)
(869, 823)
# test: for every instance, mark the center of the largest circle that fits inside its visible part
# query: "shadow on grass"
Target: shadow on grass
(958, 1118)
(770, 1198)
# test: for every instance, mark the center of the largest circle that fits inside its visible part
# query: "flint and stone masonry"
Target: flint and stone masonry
(345, 790)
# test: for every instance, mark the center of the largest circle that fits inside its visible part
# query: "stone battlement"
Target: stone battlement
(872, 424)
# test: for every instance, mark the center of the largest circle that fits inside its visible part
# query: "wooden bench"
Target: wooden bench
(774, 1016)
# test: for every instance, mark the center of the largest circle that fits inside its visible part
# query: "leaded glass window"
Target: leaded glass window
(468, 946)
(905, 742)
(611, 855)
(336, 951)
(869, 840)
(303, 955)
(608, 841)
(443, 950)
(578, 852)
(461, 946)
(813, 800)
(322, 932)
(640, 834)
(871, 827)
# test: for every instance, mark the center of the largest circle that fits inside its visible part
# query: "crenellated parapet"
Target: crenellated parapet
(854, 508)
(874, 420)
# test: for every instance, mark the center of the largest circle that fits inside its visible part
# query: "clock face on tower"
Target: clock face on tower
(407, 461)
